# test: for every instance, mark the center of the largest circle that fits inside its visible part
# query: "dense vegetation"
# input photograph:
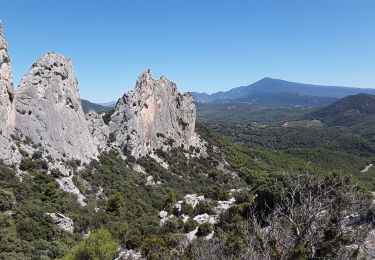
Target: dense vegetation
(122, 208)
(343, 141)
(284, 138)
(346, 110)
(233, 113)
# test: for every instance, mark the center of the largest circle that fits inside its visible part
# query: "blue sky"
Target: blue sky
(202, 45)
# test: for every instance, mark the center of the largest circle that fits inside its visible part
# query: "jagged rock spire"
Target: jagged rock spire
(152, 116)
(49, 110)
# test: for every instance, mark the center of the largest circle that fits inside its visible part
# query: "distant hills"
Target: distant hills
(276, 92)
(346, 111)
(111, 104)
(87, 105)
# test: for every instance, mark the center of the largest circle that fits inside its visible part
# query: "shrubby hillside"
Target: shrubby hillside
(124, 204)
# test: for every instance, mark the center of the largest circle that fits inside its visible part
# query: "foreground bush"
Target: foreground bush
(100, 245)
(204, 229)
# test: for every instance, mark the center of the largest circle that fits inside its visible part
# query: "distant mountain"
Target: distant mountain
(347, 111)
(87, 105)
(276, 86)
(110, 104)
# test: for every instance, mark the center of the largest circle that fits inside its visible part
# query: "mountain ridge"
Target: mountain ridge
(271, 85)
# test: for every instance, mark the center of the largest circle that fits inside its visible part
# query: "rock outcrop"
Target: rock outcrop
(152, 116)
(6, 101)
(62, 221)
(49, 111)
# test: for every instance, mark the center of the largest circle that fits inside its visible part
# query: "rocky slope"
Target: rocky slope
(152, 116)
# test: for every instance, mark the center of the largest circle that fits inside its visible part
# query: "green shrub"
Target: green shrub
(173, 225)
(52, 191)
(7, 200)
(112, 137)
(170, 198)
(99, 245)
(204, 207)
(244, 196)
(134, 239)
(187, 209)
(37, 155)
(155, 247)
(205, 229)
(107, 116)
(217, 193)
(115, 203)
(27, 164)
(123, 232)
(190, 225)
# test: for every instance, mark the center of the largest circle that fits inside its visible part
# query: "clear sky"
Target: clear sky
(202, 45)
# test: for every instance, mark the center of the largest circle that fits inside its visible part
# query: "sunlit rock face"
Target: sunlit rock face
(152, 116)
(6, 102)
(49, 112)
(46, 114)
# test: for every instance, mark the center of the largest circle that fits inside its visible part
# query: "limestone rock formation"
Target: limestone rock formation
(46, 112)
(6, 101)
(49, 112)
(98, 129)
(154, 115)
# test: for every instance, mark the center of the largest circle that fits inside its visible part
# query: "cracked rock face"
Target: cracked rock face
(98, 129)
(49, 112)
(6, 101)
(152, 116)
